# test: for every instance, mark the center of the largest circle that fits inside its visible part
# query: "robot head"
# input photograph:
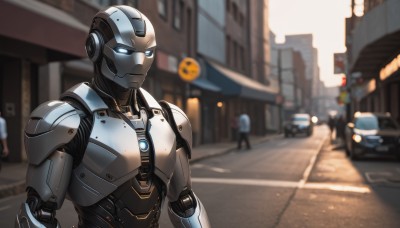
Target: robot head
(121, 43)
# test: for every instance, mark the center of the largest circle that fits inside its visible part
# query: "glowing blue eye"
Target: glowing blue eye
(122, 50)
(148, 53)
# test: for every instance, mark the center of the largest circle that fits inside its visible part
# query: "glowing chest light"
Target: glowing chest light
(143, 145)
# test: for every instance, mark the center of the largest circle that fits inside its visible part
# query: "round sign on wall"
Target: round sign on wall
(189, 69)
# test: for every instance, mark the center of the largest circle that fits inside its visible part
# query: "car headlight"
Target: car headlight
(357, 138)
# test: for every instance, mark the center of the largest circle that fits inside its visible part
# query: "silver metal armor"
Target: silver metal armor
(109, 146)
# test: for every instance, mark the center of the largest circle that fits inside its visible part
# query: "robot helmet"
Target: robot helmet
(121, 43)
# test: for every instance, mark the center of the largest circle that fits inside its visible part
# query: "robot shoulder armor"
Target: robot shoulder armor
(51, 125)
(86, 96)
(179, 122)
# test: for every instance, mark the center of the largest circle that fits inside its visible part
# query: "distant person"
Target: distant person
(244, 130)
(331, 124)
(340, 127)
(234, 127)
(3, 136)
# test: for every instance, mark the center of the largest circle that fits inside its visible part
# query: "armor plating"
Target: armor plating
(109, 146)
(51, 125)
(25, 218)
(197, 219)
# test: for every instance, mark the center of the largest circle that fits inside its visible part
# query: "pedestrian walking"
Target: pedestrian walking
(340, 127)
(331, 124)
(244, 130)
(3, 137)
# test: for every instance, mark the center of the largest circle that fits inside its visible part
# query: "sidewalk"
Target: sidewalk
(12, 175)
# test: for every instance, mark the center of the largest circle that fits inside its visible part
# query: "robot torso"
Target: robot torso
(126, 167)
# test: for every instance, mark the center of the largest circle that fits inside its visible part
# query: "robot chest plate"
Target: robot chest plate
(114, 149)
(113, 157)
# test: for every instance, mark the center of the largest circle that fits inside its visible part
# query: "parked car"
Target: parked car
(372, 133)
(299, 123)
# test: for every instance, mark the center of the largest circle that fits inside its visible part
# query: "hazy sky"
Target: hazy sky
(323, 18)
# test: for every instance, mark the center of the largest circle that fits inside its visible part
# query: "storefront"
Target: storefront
(239, 94)
(32, 35)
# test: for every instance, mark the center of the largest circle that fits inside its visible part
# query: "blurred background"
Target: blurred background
(242, 68)
(333, 63)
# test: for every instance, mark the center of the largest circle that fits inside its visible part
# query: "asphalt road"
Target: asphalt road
(284, 183)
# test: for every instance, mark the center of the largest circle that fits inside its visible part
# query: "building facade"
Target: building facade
(373, 56)
(304, 44)
(32, 35)
(234, 55)
(42, 57)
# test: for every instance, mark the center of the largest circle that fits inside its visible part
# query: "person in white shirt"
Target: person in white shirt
(244, 130)
(3, 137)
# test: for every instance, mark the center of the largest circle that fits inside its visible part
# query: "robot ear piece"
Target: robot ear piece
(94, 46)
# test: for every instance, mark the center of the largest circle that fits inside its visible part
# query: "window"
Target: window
(162, 7)
(235, 53)
(234, 11)
(178, 11)
(100, 3)
(133, 3)
(240, 19)
(375, 123)
(242, 59)
(228, 50)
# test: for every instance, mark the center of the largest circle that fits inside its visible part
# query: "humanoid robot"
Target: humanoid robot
(109, 146)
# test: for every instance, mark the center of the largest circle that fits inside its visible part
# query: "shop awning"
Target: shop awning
(204, 84)
(236, 84)
(40, 24)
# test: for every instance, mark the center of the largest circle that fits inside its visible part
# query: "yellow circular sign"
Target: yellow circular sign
(189, 69)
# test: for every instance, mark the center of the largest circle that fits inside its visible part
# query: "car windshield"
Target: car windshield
(300, 118)
(375, 123)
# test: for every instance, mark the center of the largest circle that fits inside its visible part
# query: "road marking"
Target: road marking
(4, 208)
(215, 169)
(283, 184)
(307, 172)
(339, 188)
(247, 182)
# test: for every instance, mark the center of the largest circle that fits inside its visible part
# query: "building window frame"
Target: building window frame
(235, 11)
(228, 50)
(133, 3)
(162, 8)
(235, 54)
(98, 3)
(178, 10)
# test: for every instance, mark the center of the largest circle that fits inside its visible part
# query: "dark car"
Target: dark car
(299, 124)
(372, 133)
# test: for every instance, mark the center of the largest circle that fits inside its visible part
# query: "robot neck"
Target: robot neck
(115, 95)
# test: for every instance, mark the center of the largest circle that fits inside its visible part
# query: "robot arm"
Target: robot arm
(184, 208)
(51, 126)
